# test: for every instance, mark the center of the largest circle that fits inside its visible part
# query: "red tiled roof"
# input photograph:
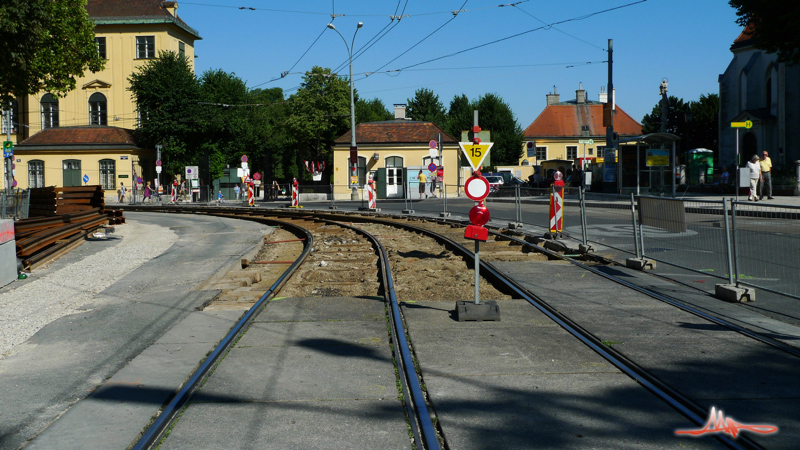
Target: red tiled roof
(104, 10)
(746, 34)
(87, 135)
(126, 8)
(567, 120)
(396, 132)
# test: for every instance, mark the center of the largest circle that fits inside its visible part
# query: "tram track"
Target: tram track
(499, 248)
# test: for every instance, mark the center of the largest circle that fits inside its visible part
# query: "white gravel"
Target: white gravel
(27, 309)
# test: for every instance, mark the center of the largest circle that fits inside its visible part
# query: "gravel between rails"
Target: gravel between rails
(27, 309)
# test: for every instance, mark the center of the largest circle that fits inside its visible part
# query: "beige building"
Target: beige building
(570, 130)
(393, 152)
(128, 34)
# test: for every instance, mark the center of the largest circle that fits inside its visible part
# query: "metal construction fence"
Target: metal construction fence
(743, 243)
(14, 203)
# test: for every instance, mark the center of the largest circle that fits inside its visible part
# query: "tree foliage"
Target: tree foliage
(773, 27)
(695, 122)
(496, 116)
(167, 95)
(426, 106)
(46, 45)
(372, 111)
(319, 113)
(460, 116)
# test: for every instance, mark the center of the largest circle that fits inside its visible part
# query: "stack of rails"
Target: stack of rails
(60, 218)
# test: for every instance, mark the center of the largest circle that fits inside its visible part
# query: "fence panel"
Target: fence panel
(767, 240)
(686, 234)
(608, 221)
(15, 203)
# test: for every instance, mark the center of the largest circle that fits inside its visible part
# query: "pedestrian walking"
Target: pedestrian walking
(433, 185)
(236, 191)
(422, 181)
(148, 192)
(755, 177)
(122, 191)
(183, 190)
(766, 176)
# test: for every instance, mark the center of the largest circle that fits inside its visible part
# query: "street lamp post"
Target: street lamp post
(353, 147)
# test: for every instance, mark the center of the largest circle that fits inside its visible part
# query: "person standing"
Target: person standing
(433, 185)
(148, 192)
(766, 176)
(422, 181)
(755, 176)
(122, 191)
(236, 191)
(183, 190)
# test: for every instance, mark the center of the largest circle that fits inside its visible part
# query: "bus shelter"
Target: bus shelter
(647, 161)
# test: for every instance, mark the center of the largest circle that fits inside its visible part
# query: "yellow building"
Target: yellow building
(569, 131)
(128, 34)
(393, 152)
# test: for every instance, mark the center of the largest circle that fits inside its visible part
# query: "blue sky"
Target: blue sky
(685, 41)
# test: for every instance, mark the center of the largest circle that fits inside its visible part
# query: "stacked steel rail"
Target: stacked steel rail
(70, 215)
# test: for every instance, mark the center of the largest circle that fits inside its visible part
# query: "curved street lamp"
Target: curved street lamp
(353, 147)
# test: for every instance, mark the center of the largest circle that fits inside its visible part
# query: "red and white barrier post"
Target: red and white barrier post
(371, 194)
(557, 205)
(295, 194)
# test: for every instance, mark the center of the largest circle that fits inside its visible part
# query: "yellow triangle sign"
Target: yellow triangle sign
(475, 153)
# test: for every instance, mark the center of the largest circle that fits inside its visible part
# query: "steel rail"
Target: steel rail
(424, 431)
(794, 351)
(162, 422)
(687, 407)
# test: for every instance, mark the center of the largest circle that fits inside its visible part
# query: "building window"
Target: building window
(591, 151)
(181, 49)
(585, 130)
(14, 118)
(601, 150)
(72, 172)
(572, 151)
(35, 174)
(361, 171)
(145, 47)
(541, 153)
(98, 110)
(49, 105)
(100, 42)
(108, 174)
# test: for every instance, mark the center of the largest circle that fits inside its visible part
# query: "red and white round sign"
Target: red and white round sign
(477, 188)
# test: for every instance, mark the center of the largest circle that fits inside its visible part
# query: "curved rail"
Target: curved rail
(157, 428)
(675, 399)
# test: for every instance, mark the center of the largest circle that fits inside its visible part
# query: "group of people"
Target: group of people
(148, 192)
(760, 170)
(423, 180)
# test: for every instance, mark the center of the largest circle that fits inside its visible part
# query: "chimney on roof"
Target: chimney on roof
(602, 97)
(580, 95)
(400, 111)
(171, 7)
(552, 99)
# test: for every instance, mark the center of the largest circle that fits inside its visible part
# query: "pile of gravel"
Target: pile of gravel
(27, 309)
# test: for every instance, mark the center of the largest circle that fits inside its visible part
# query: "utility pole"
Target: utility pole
(611, 100)
(9, 161)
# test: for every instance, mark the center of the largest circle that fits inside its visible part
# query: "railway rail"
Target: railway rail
(505, 247)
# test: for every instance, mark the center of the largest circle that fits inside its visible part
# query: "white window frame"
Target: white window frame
(145, 47)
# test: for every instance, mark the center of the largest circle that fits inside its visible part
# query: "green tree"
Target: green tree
(703, 123)
(371, 111)
(167, 95)
(773, 27)
(460, 116)
(268, 142)
(46, 44)
(224, 120)
(496, 116)
(320, 112)
(676, 118)
(426, 106)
